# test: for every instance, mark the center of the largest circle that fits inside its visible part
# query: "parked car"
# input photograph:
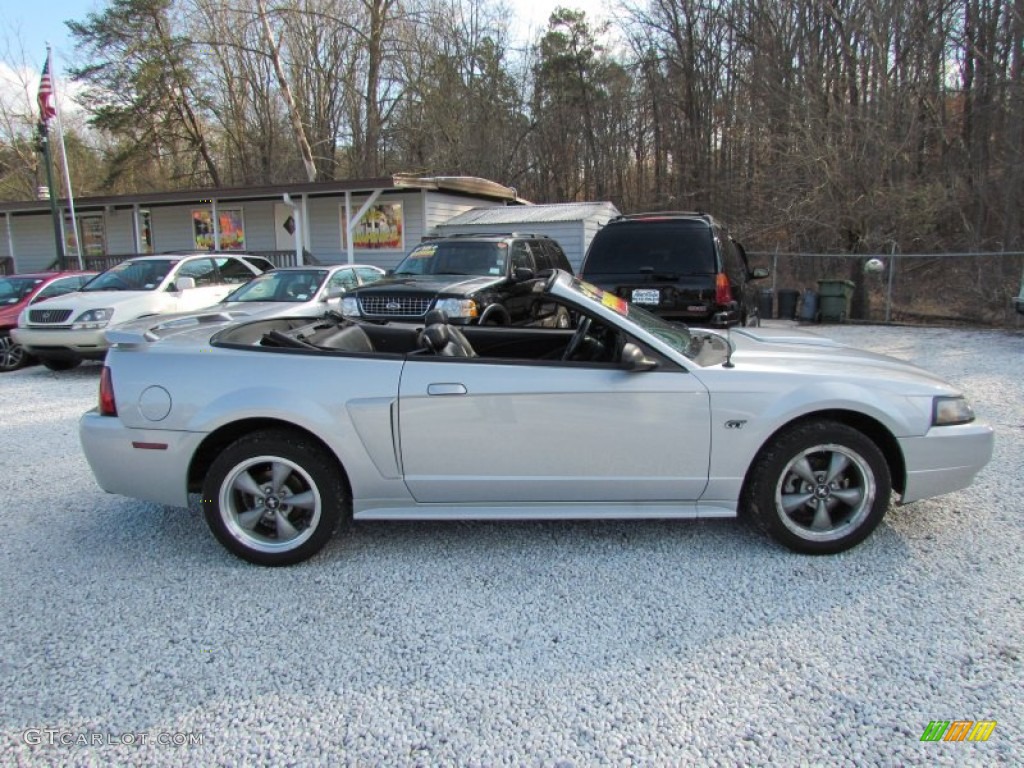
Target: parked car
(65, 330)
(19, 291)
(681, 266)
(307, 291)
(475, 279)
(286, 426)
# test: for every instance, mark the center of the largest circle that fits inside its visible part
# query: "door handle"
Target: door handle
(446, 389)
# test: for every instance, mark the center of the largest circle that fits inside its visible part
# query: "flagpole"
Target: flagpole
(58, 230)
(64, 160)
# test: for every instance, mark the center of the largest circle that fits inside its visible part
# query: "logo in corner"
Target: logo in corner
(958, 730)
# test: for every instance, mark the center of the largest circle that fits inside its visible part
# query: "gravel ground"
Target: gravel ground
(124, 624)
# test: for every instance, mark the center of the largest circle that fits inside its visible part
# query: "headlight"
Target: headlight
(350, 306)
(951, 410)
(458, 308)
(93, 319)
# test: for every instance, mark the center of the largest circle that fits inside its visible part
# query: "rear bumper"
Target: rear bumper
(945, 460)
(147, 464)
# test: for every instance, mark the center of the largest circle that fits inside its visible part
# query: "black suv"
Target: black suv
(483, 279)
(681, 266)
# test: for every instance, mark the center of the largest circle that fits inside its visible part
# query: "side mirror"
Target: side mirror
(334, 293)
(759, 273)
(633, 358)
(522, 274)
(184, 283)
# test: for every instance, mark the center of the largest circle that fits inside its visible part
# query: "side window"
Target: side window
(557, 256)
(367, 276)
(203, 271)
(343, 279)
(540, 255)
(732, 258)
(233, 271)
(520, 256)
(59, 288)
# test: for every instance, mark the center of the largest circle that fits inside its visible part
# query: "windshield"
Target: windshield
(285, 285)
(132, 276)
(14, 289)
(677, 336)
(455, 258)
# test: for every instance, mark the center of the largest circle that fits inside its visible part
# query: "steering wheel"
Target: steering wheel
(577, 338)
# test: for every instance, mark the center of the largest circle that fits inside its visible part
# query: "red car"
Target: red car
(17, 292)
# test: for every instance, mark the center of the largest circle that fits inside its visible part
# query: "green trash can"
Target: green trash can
(834, 300)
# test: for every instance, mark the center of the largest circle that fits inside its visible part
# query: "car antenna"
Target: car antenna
(728, 349)
(728, 342)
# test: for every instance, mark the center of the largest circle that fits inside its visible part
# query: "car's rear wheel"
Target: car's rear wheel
(61, 365)
(12, 355)
(820, 487)
(274, 498)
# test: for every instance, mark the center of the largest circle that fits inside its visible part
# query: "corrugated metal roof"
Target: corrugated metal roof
(532, 214)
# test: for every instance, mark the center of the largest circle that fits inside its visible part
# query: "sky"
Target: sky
(25, 30)
(26, 26)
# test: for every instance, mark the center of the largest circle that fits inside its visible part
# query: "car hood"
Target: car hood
(9, 314)
(458, 285)
(81, 301)
(799, 351)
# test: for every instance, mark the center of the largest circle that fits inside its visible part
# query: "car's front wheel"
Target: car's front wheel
(12, 355)
(820, 487)
(274, 498)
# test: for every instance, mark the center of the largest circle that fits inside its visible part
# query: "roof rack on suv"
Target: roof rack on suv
(485, 234)
(649, 214)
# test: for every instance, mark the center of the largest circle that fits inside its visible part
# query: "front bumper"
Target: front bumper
(129, 462)
(62, 343)
(946, 459)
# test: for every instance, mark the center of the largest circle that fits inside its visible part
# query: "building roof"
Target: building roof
(532, 214)
(461, 185)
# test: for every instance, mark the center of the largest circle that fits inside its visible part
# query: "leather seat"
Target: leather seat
(443, 339)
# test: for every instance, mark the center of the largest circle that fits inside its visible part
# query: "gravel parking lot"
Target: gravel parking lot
(129, 636)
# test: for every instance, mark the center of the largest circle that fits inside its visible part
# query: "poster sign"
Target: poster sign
(232, 229)
(381, 228)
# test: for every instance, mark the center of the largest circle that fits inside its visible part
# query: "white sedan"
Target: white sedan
(287, 426)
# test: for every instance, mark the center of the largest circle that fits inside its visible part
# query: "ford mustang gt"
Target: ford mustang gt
(287, 426)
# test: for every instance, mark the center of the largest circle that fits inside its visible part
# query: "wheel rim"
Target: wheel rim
(825, 492)
(270, 504)
(11, 354)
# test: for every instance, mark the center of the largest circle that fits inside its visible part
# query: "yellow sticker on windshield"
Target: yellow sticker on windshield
(423, 252)
(615, 303)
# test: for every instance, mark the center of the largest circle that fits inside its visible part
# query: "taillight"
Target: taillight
(108, 407)
(723, 292)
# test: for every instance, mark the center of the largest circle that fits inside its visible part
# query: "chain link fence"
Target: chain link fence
(915, 288)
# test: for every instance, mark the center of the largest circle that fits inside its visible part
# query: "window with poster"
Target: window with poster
(382, 228)
(91, 235)
(232, 229)
(145, 225)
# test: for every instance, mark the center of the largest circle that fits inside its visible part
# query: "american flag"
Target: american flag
(47, 109)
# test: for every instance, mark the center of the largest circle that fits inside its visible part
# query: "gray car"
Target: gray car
(288, 426)
(304, 291)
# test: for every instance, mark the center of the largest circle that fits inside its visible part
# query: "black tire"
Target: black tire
(61, 365)
(819, 487)
(253, 519)
(12, 356)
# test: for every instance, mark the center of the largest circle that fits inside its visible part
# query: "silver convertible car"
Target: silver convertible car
(287, 426)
